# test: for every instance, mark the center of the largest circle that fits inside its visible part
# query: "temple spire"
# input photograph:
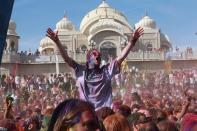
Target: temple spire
(65, 14)
(146, 13)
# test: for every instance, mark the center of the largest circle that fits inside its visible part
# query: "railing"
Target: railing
(10, 58)
(144, 56)
(183, 56)
(17, 58)
(135, 56)
(81, 57)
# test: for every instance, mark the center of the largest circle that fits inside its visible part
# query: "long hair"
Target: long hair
(68, 113)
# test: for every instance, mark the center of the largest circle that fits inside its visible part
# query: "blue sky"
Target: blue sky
(176, 18)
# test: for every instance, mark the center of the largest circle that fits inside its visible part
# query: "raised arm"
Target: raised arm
(53, 36)
(185, 105)
(184, 109)
(130, 45)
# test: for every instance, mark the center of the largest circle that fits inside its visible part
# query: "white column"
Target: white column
(57, 64)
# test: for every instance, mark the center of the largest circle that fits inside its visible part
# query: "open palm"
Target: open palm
(52, 35)
(139, 32)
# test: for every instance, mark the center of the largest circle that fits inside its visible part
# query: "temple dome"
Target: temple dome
(146, 22)
(12, 28)
(65, 25)
(46, 42)
(12, 25)
(103, 11)
(105, 24)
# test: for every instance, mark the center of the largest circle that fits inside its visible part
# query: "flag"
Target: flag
(168, 66)
(5, 14)
(124, 66)
(14, 73)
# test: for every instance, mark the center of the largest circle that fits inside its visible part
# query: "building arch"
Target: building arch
(108, 49)
(12, 46)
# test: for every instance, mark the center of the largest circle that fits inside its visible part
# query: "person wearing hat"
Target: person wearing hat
(94, 80)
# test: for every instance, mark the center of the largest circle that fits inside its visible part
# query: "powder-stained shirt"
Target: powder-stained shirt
(95, 85)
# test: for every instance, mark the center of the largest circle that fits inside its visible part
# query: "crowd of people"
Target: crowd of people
(99, 97)
(35, 93)
(144, 101)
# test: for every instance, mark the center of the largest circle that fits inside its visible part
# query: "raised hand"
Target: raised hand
(139, 32)
(130, 45)
(52, 35)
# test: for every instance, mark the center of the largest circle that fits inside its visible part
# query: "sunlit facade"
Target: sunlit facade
(104, 28)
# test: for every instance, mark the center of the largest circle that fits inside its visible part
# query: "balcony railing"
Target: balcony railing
(17, 58)
(144, 56)
(81, 57)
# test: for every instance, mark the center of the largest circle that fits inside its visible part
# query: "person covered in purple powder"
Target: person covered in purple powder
(94, 81)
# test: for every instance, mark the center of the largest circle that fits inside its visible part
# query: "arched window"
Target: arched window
(149, 47)
(12, 46)
(108, 50)
(83, 48)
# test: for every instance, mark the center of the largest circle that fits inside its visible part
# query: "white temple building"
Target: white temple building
(104, 28)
